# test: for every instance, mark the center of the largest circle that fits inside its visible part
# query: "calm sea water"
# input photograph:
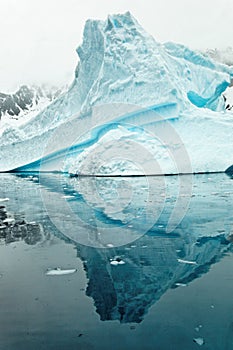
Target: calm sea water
(153, 259)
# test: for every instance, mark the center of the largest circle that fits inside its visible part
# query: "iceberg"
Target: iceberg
(135, 106)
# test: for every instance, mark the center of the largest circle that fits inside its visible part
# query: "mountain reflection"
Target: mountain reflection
(15, 228)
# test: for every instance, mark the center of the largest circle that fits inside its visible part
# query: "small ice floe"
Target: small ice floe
(187, 262)
(4, 199)
(9, 221)
(67, 196)
(110, 245)
(59, 272)
(181, 284)
(199, 341)
(117, 261)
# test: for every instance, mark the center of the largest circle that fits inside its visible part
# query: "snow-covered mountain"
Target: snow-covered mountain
(224, 56)
(26, 99)
(119, 63)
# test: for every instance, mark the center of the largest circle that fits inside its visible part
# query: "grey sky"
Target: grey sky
(38, 38)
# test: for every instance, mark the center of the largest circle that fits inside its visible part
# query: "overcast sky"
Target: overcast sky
(38, 38)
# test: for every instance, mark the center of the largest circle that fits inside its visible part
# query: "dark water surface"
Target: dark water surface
(139, 284)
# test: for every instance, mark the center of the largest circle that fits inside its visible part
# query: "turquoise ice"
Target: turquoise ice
(129, 88)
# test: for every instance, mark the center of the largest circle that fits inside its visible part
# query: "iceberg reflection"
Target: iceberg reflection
(118, 227)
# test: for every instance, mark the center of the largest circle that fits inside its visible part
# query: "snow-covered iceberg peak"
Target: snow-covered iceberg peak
(173, 91)
(120, 62)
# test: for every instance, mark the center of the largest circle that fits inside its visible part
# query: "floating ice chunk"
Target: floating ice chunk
(187, 262)
(181, 284)
(4, 199)
(9, 221)
(187, 89)
(58, 271)
(199, 341)
(117, 261)
(68, 196)
(110, 245)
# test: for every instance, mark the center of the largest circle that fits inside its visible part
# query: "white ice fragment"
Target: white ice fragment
(187, 262)
(109, 245)
(181, 284)
(4, 199)
(116, 261)
(58, 271)
(199, 341)
(68, 196)
(121, 262)
(9, 221)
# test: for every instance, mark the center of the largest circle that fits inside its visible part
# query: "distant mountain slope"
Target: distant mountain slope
(26, 98)
(223, 56)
